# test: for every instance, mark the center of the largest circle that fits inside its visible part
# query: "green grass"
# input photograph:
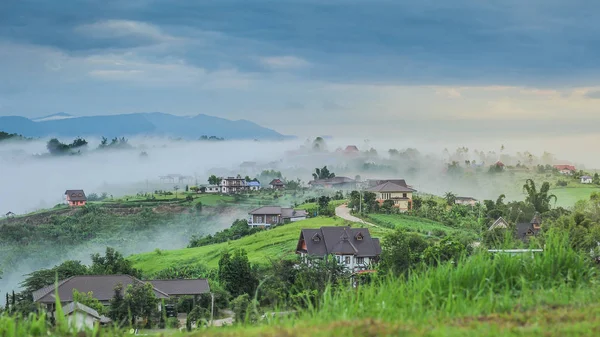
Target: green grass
(314, 205)
(568, 196)
(411, 223)
(279, 242)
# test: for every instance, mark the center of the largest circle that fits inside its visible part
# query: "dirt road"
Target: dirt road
(343, 212)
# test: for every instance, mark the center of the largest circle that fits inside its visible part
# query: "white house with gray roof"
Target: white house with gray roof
(352, 247)
(274, 215)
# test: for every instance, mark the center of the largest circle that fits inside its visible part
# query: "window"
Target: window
(360, 260)
(403, 195)
(316, 238)
(347, 260)
(359, 236)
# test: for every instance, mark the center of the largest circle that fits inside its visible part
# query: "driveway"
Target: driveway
(343, 212)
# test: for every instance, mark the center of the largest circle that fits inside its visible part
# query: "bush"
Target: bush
(561, 183)
(173, 323)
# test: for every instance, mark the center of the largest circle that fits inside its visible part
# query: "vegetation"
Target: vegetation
(56, 148)
(323, 173)
(11, 136)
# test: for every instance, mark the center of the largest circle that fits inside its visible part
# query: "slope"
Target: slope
(277, 243)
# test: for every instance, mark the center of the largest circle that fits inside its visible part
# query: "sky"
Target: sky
(360, 68)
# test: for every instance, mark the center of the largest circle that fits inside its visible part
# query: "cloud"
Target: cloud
(593, 94)
(115, 29)
(284, 62)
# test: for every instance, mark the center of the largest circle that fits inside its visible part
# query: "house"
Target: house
(102, 288)
(233, 185)
(75, 197)
(586, 179)
(352, 247)
(338, 183)
(277, 184)
(565, 169)
(10, 214)
(465, 201)
(212, 189)
(82, 317)
(528, 229)
(401, 195)
(351, 150)
(274, 215)
(253, 185)
(499, 223)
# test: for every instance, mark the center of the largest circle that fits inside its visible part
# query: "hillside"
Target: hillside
(276, 243)
(154, 124)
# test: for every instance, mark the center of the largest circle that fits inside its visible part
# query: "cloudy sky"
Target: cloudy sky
(328, 66)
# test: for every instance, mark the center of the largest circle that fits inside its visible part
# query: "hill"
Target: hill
(277, 243)
(153, 124)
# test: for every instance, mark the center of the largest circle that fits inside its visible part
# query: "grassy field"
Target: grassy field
(411, 223)
(279, 242)
(568, 196)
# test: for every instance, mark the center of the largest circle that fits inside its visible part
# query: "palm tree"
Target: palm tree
(450, 198)
(540, 200)
(323, 173)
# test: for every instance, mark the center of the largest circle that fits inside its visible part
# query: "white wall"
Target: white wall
(81, 320)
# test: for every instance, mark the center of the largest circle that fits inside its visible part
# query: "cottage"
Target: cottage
(565, 169)
(465, 201)
(277, 184)
(82, 317)
(586, 179)
(338, 183)
(351, 150)
(375, 182)
(102, 288)
(274, 215)
(10, 214)
(352, 247)
(527, 229)
(233, 185)
(75, 197)
(253, 185)
(401, 195)
(499, 223)
(212, 189)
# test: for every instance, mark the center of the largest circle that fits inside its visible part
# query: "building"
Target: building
(400, 195)
(527, 229)
(338, 183)
(274, 215)
(375, 182)
(351, 150)
(75, 197)
(212, 189)
(233, 185)
(352, 247)
(499, 223)
(565, 169)
(586, 179)
(277, 184)
(465, 201)
(102, 288)
(82, 317)
(253, 185)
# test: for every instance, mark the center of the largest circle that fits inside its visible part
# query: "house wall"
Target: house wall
(586, 181)
(401, 204)
(351, 262)
(76, 203)
(80, 320)
(297, 218)
(266, 219)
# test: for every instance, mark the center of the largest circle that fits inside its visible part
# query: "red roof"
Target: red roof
(351, 148)
(499, 163)
(564, 167)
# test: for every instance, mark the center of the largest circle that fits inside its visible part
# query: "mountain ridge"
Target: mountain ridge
(135, 124)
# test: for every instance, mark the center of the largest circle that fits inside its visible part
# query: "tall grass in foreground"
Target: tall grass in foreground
(480, 284)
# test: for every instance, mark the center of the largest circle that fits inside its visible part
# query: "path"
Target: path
(343, 212)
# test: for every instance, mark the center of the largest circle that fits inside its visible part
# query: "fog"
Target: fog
(31, 179)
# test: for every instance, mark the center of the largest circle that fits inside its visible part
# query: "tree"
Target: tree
(401, 251)
(370, 202)
(214, 180)
(540, 200)
(88, 300)
(387, 206)
(55, 147)
(117, 310)
(450, 198)
(235, 273)
(140, 300)
(112, 263)
(323, 202)
(175, 188)
(323, 173)
(45, 277)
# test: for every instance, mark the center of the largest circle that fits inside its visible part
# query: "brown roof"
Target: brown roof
(276, 182)
(182, 287)
(102, 287)
(390, 187)
(76, 195)
(339, 240)
(564, 167)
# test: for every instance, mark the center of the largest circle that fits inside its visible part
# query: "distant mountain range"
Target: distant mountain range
(151, 124)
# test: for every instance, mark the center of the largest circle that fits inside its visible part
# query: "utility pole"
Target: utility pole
(212, 308)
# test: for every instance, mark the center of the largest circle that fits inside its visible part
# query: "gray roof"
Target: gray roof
(499, 223)
(333, 181)
(339, 240)
(76, 195)
(375, 182)
(277, 210)
(586, 177)
(465, 198)
(73, 306)
(277, 182)
(102, 287)
(390, 187)
(523, 228)
(182, 287)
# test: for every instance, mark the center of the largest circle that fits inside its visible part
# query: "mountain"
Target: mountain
(151, 124)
